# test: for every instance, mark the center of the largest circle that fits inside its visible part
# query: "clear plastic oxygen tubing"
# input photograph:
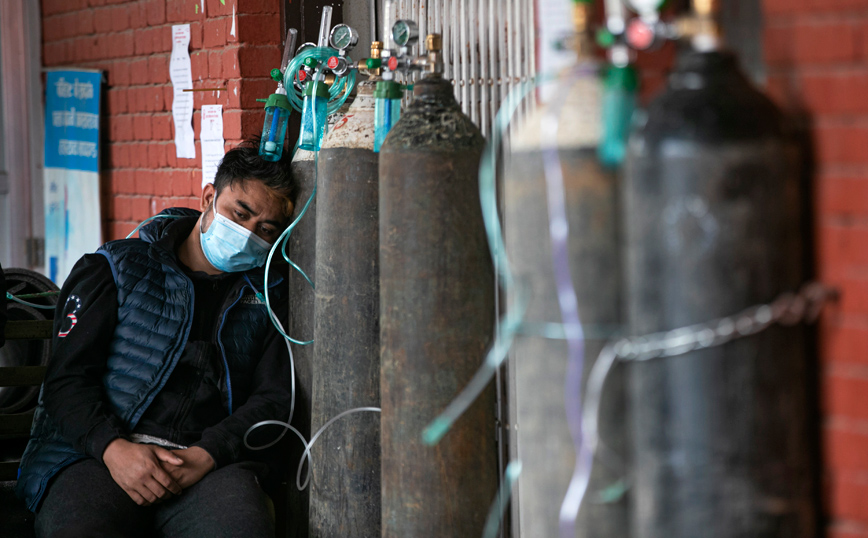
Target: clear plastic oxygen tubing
(339, 92)
(568, 301)
(512, 319)
(149, 219)
(495, 514)
(283, 240)
(306, 456)
(511, 323)
(281, 243)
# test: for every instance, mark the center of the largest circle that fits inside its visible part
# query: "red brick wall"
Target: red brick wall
(131, 41)
(817, 58)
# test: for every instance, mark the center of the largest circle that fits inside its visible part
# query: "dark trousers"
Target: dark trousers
(84, 501)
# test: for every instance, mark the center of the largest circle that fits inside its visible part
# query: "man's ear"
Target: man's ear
(208, 193)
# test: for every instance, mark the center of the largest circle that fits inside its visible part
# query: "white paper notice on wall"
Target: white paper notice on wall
(212, 141)
(181, 74)
(554, 22)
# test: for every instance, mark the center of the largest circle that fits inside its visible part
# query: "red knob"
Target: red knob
(639, 34)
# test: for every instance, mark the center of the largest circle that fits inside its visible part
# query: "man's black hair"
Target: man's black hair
(243, 163)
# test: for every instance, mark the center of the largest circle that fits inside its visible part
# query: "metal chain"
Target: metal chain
(787, 309)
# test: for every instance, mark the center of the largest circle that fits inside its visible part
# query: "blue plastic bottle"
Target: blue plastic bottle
(387, 108)
(277, 110)
(619, 102)
(313, 115)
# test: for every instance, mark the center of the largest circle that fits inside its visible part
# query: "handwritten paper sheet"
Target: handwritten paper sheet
(181, 74)
(212, 141)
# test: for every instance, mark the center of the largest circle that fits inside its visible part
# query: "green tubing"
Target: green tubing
(149, 219)
(282, 240)
(339, 91)
(509, 324)
(495, 515)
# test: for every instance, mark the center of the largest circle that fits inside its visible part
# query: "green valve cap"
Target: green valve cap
(624, 78)
(388, 89)
(374, 63)
(311, 62)
(276, 75)
(320, 89)
(279, 100)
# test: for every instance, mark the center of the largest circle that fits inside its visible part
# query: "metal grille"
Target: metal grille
(488, 49)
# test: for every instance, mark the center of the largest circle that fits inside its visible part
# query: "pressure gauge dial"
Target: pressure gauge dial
(405, 33)
(343, 37)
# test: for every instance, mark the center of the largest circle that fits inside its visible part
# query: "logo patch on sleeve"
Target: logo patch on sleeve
(70, 309)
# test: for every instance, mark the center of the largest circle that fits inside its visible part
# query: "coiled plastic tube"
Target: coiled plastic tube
(307, 446)
(339, 91)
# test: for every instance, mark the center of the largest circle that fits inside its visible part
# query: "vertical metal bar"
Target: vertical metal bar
(455, 50)
(520, 54)
(493, 72)
(504, 50)
(506, 56)
(531, 50)
(419, 8)
(515, 57)
(430, 11)
(465, 45)
(474, 61)
(447, 16)
(372, 13)
(483, 68)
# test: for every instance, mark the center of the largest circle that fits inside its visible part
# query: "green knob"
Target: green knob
(605, 39)
(276, 75)
(374, 63)
(311, 62)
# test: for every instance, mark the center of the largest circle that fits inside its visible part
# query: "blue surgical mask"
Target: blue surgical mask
(230, 247)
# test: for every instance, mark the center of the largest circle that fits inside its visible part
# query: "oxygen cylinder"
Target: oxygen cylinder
(711, 214)
(540, 437)
(345, 490)
(302, 245)
(436, 319)
(302, 251)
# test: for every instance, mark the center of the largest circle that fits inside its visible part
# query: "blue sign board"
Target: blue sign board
(72, 120)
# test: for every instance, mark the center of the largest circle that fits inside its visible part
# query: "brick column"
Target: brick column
(818, 62)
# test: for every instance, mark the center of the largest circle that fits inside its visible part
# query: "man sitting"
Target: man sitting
(163, 356)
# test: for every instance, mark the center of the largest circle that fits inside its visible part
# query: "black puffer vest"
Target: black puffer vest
(155, 311)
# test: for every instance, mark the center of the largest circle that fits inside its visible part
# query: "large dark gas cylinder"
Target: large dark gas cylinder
(436, 320)
(711, 211)
(345, 494)
(302, 245)
(538, 366)
(302, 250)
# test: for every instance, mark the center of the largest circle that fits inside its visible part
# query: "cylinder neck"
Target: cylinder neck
(434, 89)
